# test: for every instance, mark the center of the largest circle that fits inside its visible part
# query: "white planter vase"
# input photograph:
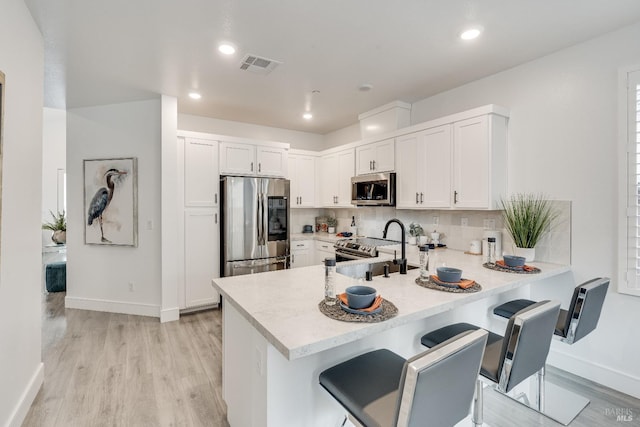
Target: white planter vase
(529, 254)
(331, 230)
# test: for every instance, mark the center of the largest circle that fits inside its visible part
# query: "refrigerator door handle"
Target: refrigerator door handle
(262, 224)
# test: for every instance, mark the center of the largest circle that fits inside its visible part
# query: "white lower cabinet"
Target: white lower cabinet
(201, 256)
(301, 253)
(323, 250)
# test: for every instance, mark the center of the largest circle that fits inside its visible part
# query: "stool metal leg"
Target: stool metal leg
(477, 404)
(550, 400)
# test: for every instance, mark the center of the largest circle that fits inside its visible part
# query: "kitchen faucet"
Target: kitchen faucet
(403, 260)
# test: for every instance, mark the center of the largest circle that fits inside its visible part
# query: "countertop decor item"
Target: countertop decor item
(389, 310)
(58, 226)
(449, 274)
(307, 228)
(499, 266)
(514, 261)
(428, 283)
(360, 296)
(527, 217)
(332, 223)
(415, 231)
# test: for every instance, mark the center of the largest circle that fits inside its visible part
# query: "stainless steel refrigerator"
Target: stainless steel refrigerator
(255, 225)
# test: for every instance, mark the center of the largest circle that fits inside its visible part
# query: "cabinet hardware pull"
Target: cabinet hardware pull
(421, 197)
(370, 166)
(300, 199)
(417, 198)
(455, 197)
(216, 218)
(215, 198)
(374, 165)
(259, 167)
(251, 166)
(293, 258)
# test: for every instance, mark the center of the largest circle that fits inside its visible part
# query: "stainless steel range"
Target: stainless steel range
(361, 247)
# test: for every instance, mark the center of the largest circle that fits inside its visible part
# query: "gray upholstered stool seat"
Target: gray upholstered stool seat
(511, 358)
(582, 316)
(382, 389)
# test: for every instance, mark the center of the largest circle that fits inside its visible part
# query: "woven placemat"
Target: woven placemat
(496, 267)
(432, 285)
(335, 312)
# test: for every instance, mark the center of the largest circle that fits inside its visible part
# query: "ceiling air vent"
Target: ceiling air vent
(257, 64)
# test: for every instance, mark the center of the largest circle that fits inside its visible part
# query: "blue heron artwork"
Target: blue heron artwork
(110, 201)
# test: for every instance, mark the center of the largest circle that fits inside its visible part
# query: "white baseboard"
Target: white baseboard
(620, 381)
(27, 398)
(169, 315)
(149, 310)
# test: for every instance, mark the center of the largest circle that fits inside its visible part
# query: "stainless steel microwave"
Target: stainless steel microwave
(375, 189)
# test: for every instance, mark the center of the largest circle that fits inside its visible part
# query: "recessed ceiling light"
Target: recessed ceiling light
(227, 49)
(365, 87)
(194, 95)
(470, 34)
(307, 116)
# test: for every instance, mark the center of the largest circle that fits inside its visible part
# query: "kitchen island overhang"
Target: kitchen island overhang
(276, 340)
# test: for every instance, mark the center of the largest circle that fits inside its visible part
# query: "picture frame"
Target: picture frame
(111, 201)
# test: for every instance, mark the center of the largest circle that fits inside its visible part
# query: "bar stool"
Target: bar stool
(382, 389)
(508, 359)
(571, 326)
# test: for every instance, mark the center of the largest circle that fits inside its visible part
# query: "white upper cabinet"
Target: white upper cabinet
(248, 159)
(424, 169)
(460, 165)
(336, 170)
(480, 159)
(201, 174)
(375, 157)
(271, 161)
(302, 174)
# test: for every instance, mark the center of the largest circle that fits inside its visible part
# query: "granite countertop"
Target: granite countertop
(283, 305)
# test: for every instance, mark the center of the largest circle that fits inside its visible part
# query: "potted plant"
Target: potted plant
(415, 231)
(58, 226)
(527, 217)
(332, 223)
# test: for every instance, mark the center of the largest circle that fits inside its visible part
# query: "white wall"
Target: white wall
(296, 139)
(563, 142)
(342, 136)
(54, 157)
(98, 276)
(22, 61)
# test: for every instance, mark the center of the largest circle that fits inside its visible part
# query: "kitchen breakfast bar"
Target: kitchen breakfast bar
(276, 340)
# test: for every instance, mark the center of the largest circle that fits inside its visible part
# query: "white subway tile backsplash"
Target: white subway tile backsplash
(554, 247)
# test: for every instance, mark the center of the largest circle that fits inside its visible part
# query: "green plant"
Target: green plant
(415, 230)
(527, 217)
(332, 222)
(59, 222)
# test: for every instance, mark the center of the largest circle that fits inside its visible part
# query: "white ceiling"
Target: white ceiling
(102, 52)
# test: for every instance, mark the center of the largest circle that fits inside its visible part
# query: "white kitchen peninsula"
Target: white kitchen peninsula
(276, 341)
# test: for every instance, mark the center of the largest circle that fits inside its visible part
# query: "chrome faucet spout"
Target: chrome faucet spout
(403, 259)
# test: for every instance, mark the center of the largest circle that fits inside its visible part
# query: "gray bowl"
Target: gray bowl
(449, 274)
(514, 261)
(360, 296)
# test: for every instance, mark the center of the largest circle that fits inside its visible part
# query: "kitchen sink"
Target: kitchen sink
(377, 268)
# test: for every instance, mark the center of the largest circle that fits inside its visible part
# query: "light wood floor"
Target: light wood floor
(104, 369)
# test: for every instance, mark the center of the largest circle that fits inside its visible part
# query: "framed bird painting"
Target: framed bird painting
(111, 202)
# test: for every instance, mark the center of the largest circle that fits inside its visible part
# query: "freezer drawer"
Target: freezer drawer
(238, 268)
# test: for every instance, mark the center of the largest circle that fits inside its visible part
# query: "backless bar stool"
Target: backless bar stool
(508, 359)
(382, 389)
(572, 325)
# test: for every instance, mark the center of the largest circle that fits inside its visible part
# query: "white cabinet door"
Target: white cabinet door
(346, 171)
(375, 157)
(409, 166)
(323, 250)
(435, 170)
(237, 159)
(385, 156)
(271, 161)
(201, 256)
(301, 253)
(365, 156)
(201, 175)
(302, 174)
(336, 172)
(471, 163)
